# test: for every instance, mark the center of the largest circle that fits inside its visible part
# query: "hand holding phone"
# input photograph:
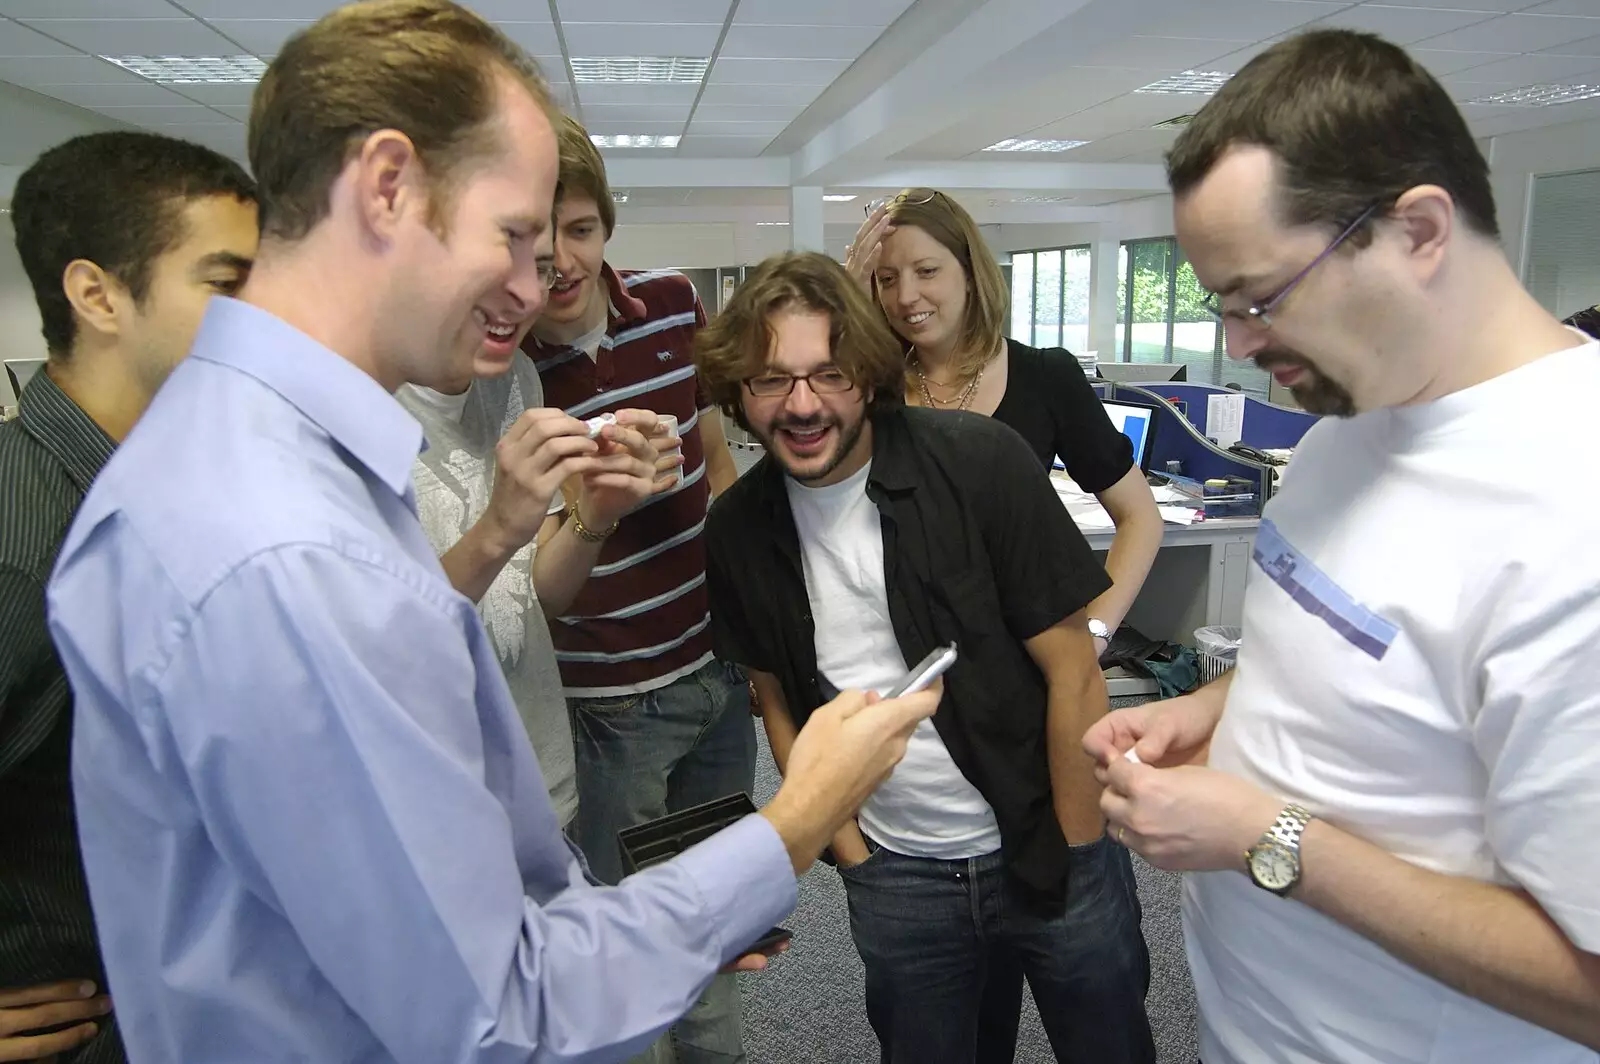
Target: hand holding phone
(924, 672)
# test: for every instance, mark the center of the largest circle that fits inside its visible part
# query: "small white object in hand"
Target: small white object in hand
(1132, 755)
(599, 422)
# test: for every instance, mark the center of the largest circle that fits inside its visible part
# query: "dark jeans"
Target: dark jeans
(947, 944)
(642, 756)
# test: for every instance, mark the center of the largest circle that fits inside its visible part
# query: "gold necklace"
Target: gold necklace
(960, 402)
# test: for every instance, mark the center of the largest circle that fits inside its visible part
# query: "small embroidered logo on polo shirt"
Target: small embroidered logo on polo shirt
(663, 356)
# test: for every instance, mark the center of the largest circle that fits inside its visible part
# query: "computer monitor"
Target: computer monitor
(1140, 372)
(1137, 422)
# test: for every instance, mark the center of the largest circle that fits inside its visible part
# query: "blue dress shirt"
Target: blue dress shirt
(313, 825)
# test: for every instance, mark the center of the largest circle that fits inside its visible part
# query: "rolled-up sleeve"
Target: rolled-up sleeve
(327, 713)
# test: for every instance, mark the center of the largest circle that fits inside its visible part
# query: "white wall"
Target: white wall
(19, 314)
(1516, 158)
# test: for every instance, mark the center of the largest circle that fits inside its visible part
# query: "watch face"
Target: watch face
(1274, 866)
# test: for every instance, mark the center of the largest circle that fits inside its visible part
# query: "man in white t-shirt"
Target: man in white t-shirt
(1392, 806)
(494, 459)
(869, 535)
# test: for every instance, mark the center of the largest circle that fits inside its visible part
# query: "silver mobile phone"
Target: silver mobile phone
(926, 671)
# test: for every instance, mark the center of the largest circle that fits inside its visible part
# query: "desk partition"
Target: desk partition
(1266, 426)
(1176, 439)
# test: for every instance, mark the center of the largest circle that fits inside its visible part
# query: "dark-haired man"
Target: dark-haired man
(311, 819)
(868, 535)
(1390, 804)
(125, 237)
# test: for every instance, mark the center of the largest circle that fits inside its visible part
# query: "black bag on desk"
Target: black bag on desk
(1175, 668)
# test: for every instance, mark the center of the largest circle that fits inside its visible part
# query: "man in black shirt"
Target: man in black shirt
(124, 237)
(868, 535)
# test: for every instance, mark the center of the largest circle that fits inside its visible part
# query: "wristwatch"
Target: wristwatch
(1098, 629)
(1274, 862)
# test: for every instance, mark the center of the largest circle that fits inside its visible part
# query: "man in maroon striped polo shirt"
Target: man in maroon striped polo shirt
(658, 723)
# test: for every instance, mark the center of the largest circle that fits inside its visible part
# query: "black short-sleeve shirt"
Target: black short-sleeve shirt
(1053, 407)
(979, 550)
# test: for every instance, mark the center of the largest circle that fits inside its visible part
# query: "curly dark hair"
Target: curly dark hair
(113, 199)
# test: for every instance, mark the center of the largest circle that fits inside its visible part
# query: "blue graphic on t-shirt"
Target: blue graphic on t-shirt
(1319, 596)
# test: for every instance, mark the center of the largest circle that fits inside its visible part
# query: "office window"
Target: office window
(1161, 317)
(1050, 297)
(1562, 270)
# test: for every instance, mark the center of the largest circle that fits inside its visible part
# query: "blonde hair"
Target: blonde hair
(583, 170)
(426, 68)
(988, 300)
(736, 344)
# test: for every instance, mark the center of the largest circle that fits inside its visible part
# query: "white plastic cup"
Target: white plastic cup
(669, 427)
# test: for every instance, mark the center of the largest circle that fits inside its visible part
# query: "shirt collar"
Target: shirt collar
(622, 307)
(62, 428)
(331, 391)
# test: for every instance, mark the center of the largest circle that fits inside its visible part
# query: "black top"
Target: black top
(977, 549)
(48, 457)
(1051, 403)
(1587, 319)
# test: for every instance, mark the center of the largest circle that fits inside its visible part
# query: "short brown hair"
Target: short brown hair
(427, 68)
(736, 344)
(988, 299)
(1355, 123)
(583, 170)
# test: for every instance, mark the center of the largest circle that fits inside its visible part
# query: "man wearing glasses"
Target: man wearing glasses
(1390, 804)
(870, 534)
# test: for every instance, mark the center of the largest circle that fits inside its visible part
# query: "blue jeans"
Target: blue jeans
(641, 757)
(946, 945)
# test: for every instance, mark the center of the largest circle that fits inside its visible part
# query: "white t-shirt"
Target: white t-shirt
(1421, 667)
(454, 477)
(927, 808)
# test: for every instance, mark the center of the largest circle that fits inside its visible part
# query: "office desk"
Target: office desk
(1197, 579)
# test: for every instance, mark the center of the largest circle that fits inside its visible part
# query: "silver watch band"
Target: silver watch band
(1289, 826)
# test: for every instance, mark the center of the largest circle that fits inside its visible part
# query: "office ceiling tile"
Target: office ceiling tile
(614, 127)
(158, 115)
(96, 97)
(234, 95)
(262, 36)
(1407, 25)
(613, 38)
(624, 95)
(1516, 33)
(799, 96)
(1537, 69)
(650, 11)
(87, 9)
(745, 113)
(796, 42)
(737, 129)
(1163, 55)
(866, 13)
(1564, 7)
(538, 38)
(723, 147)
(1236, 19)
(735, 71)
(1587, 47)
(144, 36)
(64, 70)
(1441, 63)
(623, 114)
(229, 138)
(309, 10)
(19, 41)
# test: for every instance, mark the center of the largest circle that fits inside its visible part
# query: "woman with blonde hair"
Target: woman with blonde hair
(921, 256)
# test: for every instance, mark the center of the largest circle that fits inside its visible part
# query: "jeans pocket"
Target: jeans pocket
(874, 858)
(607, 707)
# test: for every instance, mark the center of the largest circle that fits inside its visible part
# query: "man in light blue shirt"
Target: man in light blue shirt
(313, 826)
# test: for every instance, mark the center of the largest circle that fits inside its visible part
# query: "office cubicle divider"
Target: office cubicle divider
(1175, 439)
(1266, 425)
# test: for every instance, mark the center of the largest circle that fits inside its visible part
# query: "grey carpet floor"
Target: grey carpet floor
(809, 1005)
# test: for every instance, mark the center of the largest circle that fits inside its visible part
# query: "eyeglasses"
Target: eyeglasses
(829, 381)
(1259, 314)
(911, 199)
(548, 275)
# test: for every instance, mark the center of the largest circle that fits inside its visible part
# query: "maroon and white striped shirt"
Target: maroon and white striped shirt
(642, 619)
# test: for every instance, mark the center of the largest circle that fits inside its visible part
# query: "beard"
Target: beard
(1316, 392)
(849, 435)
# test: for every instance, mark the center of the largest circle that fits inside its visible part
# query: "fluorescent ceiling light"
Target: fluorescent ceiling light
(639, 70)
(1031, 199)
(1026, 144)
(1191, 82)
(193, 70)
(619, 197)
(1539, 96)
(836, 198)
(633, 140)
(772, 223)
